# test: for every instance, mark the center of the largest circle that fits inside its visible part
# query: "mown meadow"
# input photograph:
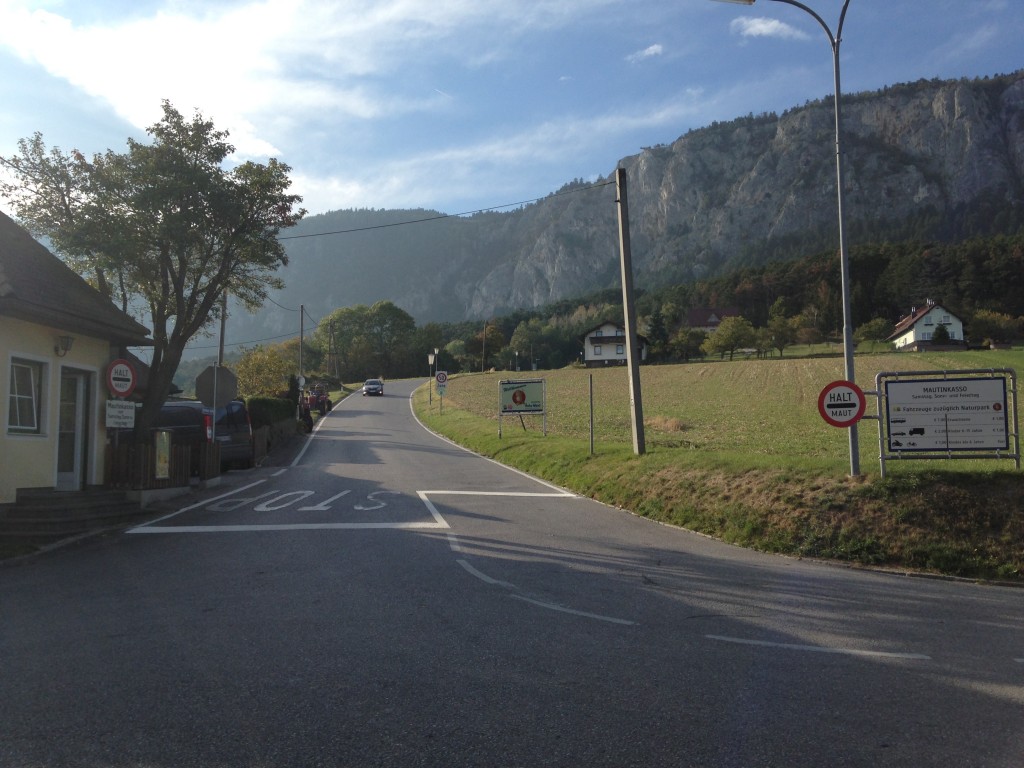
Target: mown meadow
(737, 450)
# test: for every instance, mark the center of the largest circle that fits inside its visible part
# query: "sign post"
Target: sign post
(441, 377)
(121, 382)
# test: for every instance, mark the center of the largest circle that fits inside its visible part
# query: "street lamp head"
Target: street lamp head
(738, 2)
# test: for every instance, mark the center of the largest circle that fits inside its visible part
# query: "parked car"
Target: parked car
(373, 387)
(233, 431)
(191, 423)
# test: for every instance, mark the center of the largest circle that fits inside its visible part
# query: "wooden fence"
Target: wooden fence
(133, 467)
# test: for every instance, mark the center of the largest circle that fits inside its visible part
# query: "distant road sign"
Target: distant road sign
(121, 378)
(219, 381)
(842, 403)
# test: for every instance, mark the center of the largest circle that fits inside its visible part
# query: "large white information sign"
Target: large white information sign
(525, 396)
(948, 415)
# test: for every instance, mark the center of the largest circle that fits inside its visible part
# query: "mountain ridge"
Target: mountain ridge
(940, 160)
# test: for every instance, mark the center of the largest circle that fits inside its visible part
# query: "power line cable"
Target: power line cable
(287, 309)
(387, 226)
(444, 215)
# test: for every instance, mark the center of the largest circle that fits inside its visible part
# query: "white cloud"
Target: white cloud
(977, 40)
(492, 162)
(647, 53)
(242, 65)
(763, 27)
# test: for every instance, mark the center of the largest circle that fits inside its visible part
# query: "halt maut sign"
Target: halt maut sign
(842, 403)
(121, 378)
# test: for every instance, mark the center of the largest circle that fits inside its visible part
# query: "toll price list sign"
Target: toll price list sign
(948, 415)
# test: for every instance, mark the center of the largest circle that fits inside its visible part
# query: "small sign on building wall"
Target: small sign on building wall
(120, 414)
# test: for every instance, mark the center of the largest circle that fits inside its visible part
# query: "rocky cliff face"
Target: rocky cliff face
(936, 160)
(920, 159)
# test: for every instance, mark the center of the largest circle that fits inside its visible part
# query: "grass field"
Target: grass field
(738, 450)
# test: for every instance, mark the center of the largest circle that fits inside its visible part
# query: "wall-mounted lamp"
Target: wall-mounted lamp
(63, 345)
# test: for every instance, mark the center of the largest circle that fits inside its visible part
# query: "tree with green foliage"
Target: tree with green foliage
(456, 352)
(162, 225)
(732, 333)
(687, 343)
(877, 329)
(262, 372)
(781, 330)
(940, 335)
(657, 335)
(371, 341)
(483, 346)
(390, 332)
(764, 342)
(993, 327)
(543, 344)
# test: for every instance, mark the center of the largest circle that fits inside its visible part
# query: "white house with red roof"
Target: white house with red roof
(916, 330)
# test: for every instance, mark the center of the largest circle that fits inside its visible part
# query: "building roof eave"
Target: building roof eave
(129, 333)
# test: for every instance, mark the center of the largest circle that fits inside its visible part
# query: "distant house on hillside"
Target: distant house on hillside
(605, 344)
(709, 318)
(915, 331)
(58, 336)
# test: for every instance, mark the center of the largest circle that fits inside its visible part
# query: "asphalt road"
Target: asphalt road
(388, 599)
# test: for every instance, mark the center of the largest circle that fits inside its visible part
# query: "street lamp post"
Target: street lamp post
(432, 367)
(844, 262)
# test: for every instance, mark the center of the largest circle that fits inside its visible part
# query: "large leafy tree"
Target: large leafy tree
(263, 372)
(732, 333)
(370, 341)
(163, 226)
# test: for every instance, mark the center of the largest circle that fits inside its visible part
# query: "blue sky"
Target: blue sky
(458, 105)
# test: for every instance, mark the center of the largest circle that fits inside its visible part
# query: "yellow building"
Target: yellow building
(58, 336)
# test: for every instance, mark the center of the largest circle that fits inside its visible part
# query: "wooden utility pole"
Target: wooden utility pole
(632, 352)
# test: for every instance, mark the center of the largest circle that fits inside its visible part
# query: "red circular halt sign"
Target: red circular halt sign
(842, 403)
(121, 378)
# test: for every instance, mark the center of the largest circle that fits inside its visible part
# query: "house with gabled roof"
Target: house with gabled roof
(709, 318)
(605, 344)
(915, 331)
(58, 336)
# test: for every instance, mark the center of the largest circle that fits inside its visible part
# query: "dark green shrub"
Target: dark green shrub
(265, 411)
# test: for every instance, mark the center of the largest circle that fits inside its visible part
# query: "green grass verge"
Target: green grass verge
(738, 451)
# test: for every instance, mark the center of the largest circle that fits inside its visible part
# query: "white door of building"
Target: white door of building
(71, 430)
